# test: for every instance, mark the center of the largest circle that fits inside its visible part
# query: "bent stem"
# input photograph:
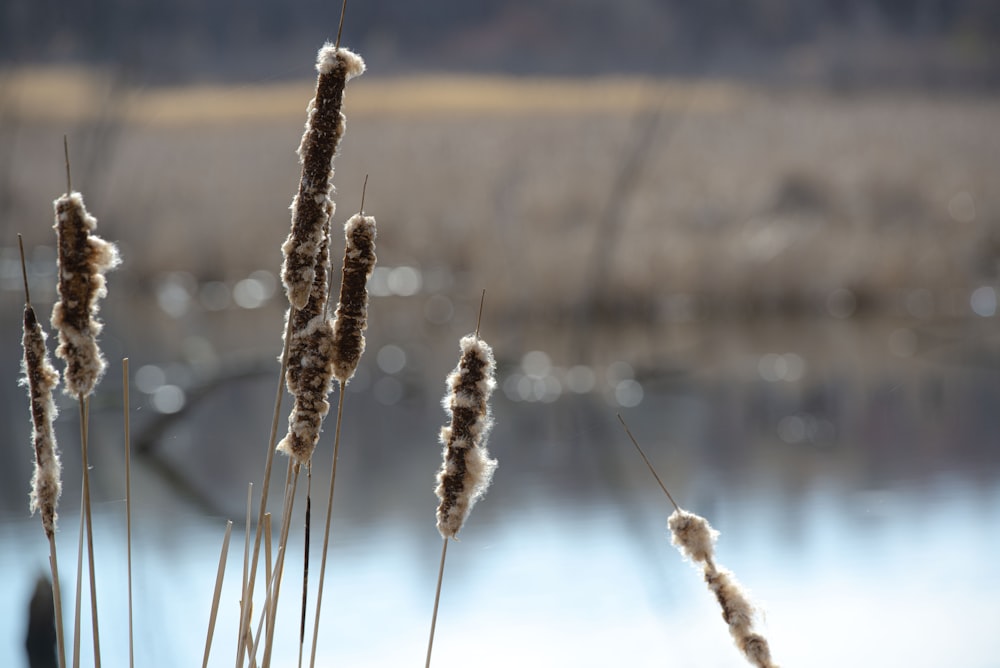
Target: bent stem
(437, 600)
(326, 531)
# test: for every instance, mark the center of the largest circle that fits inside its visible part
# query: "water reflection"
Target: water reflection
(857, 491)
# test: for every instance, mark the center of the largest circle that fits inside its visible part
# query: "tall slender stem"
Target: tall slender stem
(57, 601)
(77, 613)
(648, 464)
(271, 604)
(305, 562)
(217, 593)
(437, 600)
(128, 508)
(84, 429)
(326, 531)
(265, 486)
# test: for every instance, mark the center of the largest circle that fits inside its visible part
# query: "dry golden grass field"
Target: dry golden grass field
(555, 192)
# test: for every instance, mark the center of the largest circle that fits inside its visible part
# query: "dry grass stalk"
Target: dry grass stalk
(467, 469)
(352, 310)
(695, 537)
(349, 326)
(217, 593)
(83, 260)
(128, 505)
(313, 204)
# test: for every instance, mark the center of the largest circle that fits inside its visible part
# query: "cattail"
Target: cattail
(83, 260)
(309, 377)
(352, 310)
(695, 537)
(41, 379)
(313, 205)
(467, 469)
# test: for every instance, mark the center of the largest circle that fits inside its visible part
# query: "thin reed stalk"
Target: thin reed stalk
(349, 327)
(128, 506)
(89, 525)
(78, 606)
(437, 601)
(305, 563)
(247, 603)
(326, 531)
(271, 604)
(217, 594)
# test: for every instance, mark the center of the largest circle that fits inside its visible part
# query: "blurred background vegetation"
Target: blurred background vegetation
(768, 232)
(845, 42)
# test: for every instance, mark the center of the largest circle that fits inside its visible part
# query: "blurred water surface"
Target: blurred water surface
(851, 466)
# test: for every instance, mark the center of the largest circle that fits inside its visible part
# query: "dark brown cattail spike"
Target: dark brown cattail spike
(351, 319)
(309, 376)
(467, 469)
(41, 379)
(83, 260)
(313, 205)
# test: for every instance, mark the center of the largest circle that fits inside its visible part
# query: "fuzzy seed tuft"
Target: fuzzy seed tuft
(41, 378)
(467, 469)
(83, 260)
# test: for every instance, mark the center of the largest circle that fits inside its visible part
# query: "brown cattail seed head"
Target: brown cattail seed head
(41, 378)
(309, 376)
(352, 311)
(696, 539)
(467, 469)
(83, 260)
(313, 205)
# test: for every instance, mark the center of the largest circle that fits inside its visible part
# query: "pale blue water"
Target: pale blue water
(858, 498)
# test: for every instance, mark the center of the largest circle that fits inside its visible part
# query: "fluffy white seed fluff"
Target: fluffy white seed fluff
(41, 379)
(467, 469)
(326, 61)
(695, 537)
(83, 260)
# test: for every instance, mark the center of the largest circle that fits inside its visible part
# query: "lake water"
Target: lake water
(852, 468)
